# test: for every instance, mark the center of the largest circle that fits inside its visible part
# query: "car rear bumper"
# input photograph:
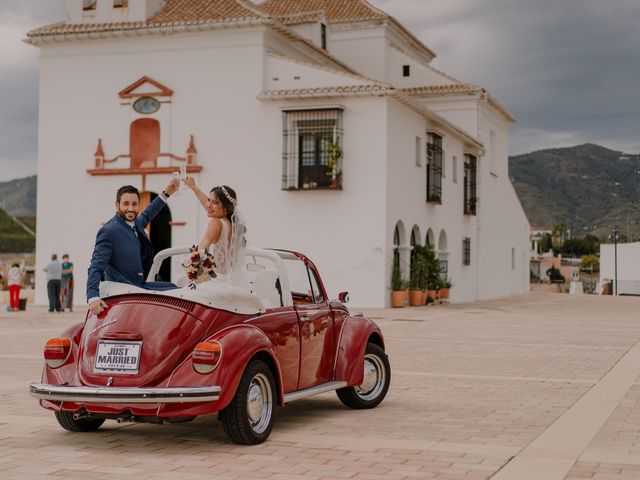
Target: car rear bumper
(61, 393)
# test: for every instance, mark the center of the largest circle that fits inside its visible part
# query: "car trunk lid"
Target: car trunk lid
(138, 342)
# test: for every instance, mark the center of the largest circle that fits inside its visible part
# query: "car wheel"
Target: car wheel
(248, 419)
(374, 386)
(66, 421)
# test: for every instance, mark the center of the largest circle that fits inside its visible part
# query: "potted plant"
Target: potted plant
(423, 278)
(398, 292)
(336, 181)
(418, 267)
(334, 152)
(433, 271)
(445, 289)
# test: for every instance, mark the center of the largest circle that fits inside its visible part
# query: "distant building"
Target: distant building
(259, 96)
(627, 266)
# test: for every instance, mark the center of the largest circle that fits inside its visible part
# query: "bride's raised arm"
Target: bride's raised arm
(212, 234)
(200, 195)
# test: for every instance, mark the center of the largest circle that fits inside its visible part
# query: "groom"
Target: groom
(123, 252)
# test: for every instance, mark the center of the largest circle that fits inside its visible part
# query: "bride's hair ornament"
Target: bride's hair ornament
(232, 200)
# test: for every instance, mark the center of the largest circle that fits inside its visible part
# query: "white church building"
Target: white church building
(258, 95)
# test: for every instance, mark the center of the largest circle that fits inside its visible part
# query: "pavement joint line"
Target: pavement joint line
(516, 344)
(606, 457)
(35, 330)
(24, 357)
(552, 454)
(498, 377)
(328, 441)
(391, 323)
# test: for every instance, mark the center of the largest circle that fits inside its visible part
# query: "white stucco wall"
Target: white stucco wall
(628, 265)
(504, 229)
(406, 186)
(341, 231)
(364, 50)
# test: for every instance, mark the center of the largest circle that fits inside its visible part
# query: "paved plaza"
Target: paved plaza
(536, 386)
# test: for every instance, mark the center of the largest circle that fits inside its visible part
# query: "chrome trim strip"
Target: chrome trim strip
(63, 393)
(309, 392)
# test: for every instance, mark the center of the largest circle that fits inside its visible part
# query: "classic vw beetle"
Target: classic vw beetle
(236, 349)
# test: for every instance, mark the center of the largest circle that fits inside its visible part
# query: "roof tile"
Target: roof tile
(174, 11)
(335, 10)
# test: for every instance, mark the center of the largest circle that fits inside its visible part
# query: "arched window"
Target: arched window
(401, 249)
(396, 246)
(144, 143)
(443, 253)
(430, 240)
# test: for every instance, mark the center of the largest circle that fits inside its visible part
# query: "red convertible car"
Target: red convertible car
(238, 349)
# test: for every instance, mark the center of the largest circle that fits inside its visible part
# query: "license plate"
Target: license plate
(120, 357)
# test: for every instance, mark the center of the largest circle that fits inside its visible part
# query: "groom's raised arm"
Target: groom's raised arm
(99, 261)
(158, 204)
(151, 211)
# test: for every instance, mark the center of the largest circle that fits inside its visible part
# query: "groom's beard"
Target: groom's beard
(128, 215)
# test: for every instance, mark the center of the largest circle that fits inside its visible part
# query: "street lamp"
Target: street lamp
(615, 260)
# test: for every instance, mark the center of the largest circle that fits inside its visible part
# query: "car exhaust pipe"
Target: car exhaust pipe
(126, 419)
(80, 416)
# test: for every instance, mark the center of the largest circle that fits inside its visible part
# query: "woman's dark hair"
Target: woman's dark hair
(226, 203)
(15, 265)
(126, 189)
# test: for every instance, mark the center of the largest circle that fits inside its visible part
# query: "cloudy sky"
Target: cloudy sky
(567, 69)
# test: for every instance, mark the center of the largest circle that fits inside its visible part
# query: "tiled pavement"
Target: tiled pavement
(479, 391)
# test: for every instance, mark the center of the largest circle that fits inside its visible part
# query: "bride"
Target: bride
(224, 237)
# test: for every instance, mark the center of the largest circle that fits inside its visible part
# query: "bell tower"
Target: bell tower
(108, 11)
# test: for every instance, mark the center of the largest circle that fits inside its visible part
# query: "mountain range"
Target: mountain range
(18, 197)
(588, 188)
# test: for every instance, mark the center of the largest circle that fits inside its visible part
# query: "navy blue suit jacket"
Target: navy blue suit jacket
(119, 255)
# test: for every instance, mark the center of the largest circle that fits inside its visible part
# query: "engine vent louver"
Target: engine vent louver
(172, 302)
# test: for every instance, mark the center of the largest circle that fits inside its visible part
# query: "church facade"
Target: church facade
(326, 116)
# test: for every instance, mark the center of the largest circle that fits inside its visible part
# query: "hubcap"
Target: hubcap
(259, 403)
(374, 378)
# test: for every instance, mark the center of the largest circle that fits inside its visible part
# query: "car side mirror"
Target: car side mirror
(343, 297)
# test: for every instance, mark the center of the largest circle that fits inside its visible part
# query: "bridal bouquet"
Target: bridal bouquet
(199, 266)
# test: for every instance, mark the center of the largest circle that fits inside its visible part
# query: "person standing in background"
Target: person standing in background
(66, 292)
(14, 281)
(54, 279)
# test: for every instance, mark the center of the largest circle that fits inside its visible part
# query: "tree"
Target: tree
(590, 263)
(545, 243)
(577, 247)
(433, 268)
(559, 232)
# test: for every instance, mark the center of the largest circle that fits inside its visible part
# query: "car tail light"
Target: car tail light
(206, 356)
(57, 351)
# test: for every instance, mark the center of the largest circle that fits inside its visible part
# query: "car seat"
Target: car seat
(265, 289)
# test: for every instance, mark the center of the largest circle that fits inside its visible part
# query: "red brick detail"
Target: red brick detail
(142, 171)
(163, 91)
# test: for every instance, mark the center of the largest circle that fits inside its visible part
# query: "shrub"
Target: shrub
(396, 280)
(17, 243)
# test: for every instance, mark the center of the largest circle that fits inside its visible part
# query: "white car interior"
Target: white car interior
(262, 284)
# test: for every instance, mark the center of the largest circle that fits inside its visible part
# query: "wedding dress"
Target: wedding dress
(221, 251)
(229, 251)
